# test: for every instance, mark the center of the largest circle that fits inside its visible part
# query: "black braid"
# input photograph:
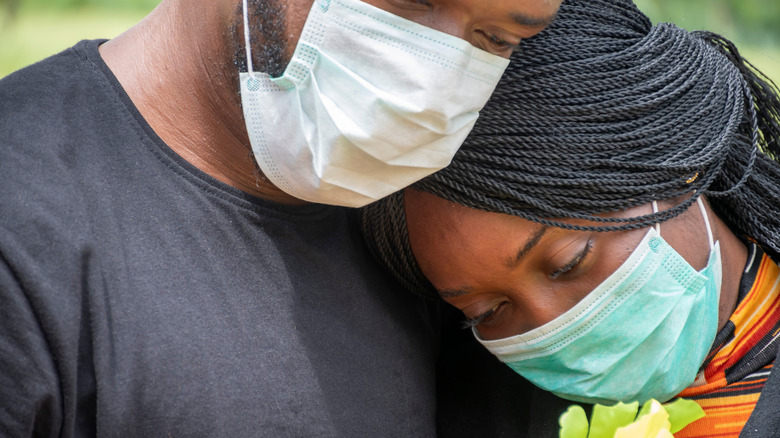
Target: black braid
(384, 229)
(602, 112)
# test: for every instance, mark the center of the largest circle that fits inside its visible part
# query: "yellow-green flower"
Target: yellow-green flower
(654, 420)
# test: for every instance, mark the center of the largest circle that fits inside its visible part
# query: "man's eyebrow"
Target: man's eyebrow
(527, 20)
(528, 246)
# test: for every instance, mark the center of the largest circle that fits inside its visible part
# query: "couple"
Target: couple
(154, 282)
(610, 229)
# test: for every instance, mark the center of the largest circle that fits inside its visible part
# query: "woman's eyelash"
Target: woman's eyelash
(572, 264)
(477, 320)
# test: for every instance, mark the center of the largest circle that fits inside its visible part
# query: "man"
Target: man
(155, 283)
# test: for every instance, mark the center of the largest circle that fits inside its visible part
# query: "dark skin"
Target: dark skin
(178, 67)
(509, 275)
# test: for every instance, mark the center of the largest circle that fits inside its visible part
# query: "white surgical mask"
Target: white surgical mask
(370, 103)
(641, 334)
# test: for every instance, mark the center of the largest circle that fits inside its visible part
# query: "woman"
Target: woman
(611, 227)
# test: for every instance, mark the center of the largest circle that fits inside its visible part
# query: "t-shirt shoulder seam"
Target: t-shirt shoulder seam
(177, 164)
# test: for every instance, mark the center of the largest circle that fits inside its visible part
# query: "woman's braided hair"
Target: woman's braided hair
(601, 112)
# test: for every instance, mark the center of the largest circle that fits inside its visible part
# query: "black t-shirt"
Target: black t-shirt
(141, 297)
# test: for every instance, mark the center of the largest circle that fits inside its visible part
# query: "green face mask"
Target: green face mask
(641, 334)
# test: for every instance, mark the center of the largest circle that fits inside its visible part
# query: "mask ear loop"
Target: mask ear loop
(706, 221)
(246, 39)
(657, 224)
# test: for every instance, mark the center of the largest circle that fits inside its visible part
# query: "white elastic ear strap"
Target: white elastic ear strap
(246, 38)
(706, 220)
(657, 224)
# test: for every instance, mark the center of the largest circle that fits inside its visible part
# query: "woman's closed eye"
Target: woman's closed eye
(573, 263)
(484, 317)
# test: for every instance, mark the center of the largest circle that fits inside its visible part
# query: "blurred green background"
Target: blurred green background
(33, 29)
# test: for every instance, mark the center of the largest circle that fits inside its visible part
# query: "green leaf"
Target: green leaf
(652, 423)
(605, 420)
(574, 423)
(683, 412)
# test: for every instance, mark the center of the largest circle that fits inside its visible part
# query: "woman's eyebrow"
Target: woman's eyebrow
(453, 293)
(528, 246)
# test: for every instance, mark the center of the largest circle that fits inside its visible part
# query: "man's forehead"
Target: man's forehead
(524, 12)
(525, 19)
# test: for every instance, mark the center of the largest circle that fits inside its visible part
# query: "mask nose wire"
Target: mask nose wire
(706, 221)
(246, 38)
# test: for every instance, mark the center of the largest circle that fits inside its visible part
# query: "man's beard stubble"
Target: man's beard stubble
(268, 39)
(268, 36)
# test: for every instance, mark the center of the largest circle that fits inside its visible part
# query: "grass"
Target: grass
(37, 32)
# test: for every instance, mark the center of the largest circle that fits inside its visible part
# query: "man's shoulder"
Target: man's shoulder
(46, 116)
(51, 72)
(37, 96)
(52, 105)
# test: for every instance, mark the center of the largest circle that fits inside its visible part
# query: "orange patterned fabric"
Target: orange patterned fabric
(735, 372)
